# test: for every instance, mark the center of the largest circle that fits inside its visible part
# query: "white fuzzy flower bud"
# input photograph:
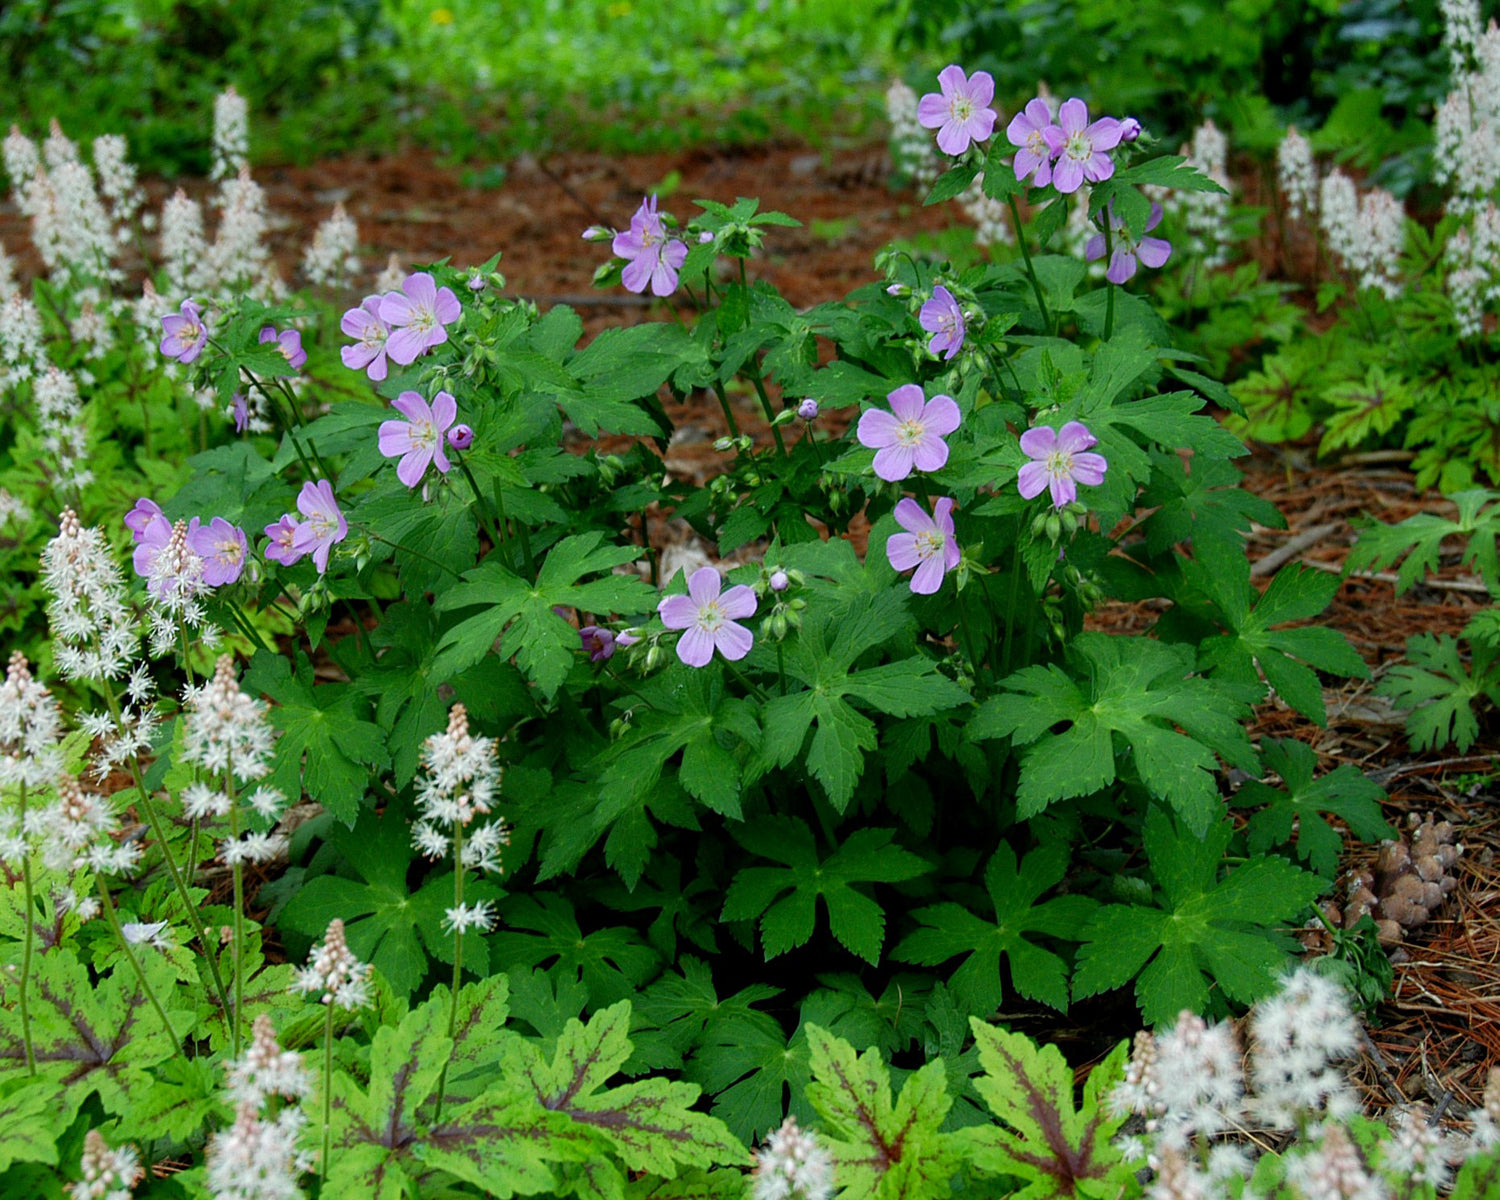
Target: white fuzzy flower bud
(793, 1166)
(231, 134)
(332, 974)
(107, 1174)
(333, 257)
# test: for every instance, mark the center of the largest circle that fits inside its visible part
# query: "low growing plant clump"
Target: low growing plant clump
(399, 691)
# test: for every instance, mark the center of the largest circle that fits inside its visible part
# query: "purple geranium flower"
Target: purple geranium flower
(186, 333)
(961, 112)
(283, 534)
(150, 541)
(601, 643)
(289, 342)
(241, 411)
(1059, 461)
(324, 526)
(942, 317)
(1079, 147)
(654, 257)
(418, 316)
(1126, 255)
(911, 434)
(928, 543)
(139, 518)
(1028, 132)
(709, 619)
(368, 353)
(418, 440)
(223, 548)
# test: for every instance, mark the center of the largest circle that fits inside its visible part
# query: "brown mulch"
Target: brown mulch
(1440, 1031)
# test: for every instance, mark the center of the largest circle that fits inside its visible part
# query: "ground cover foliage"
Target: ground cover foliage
(599, 876)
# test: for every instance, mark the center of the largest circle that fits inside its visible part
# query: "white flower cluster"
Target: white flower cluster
(1297, 174)
(1460, 32)
(227, 731)
(238, 261)
(1366, 233)
(93, 628)
(391, 278)
(912, 152)
(184, 250)
(333, 975)
(1466, 129)
(1204, 215)
(79, 831)
(333, 256)
(461, 781)
(1473, 260)
(231, 134)
(59, 419)
(30, 729)
(1191, 1085)
(793, 1166)
(257, 1158)
(107, 1174)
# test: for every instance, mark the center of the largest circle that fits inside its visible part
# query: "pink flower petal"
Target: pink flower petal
(912, 517)
(1064, 490)
(447, 306)
(444, 411)
(395, 438)
(906, 402)
(413, 465)
(942, 512)
(734, 641)
(982, 88)
(396, 309)
(420, 289)
(695, 647)
(941, 416)
(1073, 116)
(411, 406)
(877, 429)
(901, 551)
(1031, 480)
(931, 453)
(1074, 437)
(894, 463)
(952, 80)
(1038, 442)
(738, 602)
(1088, 469)
(677, 612)
(704, 585)
(928, 577)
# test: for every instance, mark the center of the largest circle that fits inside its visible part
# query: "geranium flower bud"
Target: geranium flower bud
(808, 409)
(779, 581)
(461, 436)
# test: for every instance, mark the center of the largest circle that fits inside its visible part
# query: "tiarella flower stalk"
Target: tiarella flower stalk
(792, 1165)
(332, 257)
(108, 1174)
(257, 1157)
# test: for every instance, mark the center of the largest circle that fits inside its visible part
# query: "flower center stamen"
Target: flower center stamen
(1059, 464)
(909, 433)
(929, 543)
(710, 617)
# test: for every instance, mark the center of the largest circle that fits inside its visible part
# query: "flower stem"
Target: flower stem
(237, 951)
(734, 430)
(327, 1088)
(765, 404)
(1109, 296)
(485, 516)
(458, 959)
(113, 918)
(1036, 287)
(159, 833)
(27, 944)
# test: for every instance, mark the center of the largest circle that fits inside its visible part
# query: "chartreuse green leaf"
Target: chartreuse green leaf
(520, 614)
(1223, 927)
(650, 1125)
(90, 1035)
(1137, 695)
(1294, 811)
(951, 929)
(30, 1125)
(882, 1148)
(823, 658)
(326, 749)
(1289, 658)
(386, 1136)
(1060, 1150)
(787, 920)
